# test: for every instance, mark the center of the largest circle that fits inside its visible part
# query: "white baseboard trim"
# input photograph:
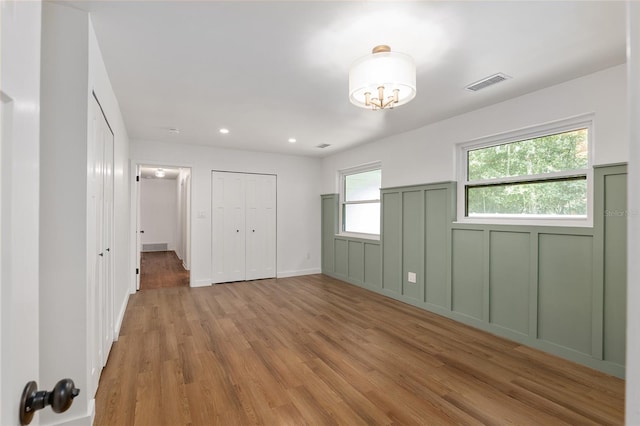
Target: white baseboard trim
(84, 420)
(118, 324)
(201, 283)
(286, 274)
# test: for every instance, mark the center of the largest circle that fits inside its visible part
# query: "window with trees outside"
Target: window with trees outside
(360, 199)
(544, 175)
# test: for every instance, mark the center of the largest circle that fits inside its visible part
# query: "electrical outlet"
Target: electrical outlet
(411, 277)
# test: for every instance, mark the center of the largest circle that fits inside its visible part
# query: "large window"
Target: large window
(541, 175)
(360, 199)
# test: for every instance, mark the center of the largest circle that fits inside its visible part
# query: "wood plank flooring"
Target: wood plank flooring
(314, 350)
(161, 269)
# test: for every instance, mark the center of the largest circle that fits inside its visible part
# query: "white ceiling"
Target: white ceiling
(269, 71)
(149, 172)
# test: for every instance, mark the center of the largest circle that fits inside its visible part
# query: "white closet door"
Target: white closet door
(107, 229)
(228, 221)
(261, 226)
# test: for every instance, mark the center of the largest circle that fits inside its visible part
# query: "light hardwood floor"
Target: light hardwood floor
(160, 269)
(314, 350)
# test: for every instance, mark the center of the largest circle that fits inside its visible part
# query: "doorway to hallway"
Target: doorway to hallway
(163, 224)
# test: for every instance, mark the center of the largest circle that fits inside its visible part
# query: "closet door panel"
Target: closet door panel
(228, 246)
(243, 226)
(261, 224)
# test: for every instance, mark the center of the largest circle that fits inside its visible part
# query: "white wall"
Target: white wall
(633, 237)
(72, 68)
(63, 203)
(123, 269)
(298, 200)
(427, 154)
(159, 211)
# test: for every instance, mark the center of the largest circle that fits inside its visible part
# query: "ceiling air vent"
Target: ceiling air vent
(488, 81)
(324, 145)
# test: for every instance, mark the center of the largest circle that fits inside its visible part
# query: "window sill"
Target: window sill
(528, 221)
(372, 237)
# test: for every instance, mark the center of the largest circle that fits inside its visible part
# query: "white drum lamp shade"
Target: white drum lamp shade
(384, 79)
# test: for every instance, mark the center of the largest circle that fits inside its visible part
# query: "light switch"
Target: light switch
(411, 277)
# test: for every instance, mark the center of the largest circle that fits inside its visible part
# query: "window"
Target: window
(539, 175)
(360, 199)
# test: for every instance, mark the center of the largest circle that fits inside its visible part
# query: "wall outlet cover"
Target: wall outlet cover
(411, 277)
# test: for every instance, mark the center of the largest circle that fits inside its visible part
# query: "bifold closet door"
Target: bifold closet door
(261, 226)
(228, 248)
(243, 226)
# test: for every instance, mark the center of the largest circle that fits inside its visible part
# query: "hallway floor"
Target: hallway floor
(162, 269)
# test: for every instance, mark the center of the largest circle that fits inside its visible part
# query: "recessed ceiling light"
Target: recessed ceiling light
(224, 131)
(292, 140)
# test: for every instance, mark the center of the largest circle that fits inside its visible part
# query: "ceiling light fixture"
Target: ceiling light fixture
(292, 140)
(224, 131)
(384, 79)
(160, 173)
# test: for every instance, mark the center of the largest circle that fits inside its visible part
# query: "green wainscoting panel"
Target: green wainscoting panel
(372, 265)
(329, 225)
(392, 242)
(341, 258)
(413, 244)
(356, 261)
(437, 222)
(559, 289)
(565, 290)
(509, 280)
(615, 264)
(468, 272)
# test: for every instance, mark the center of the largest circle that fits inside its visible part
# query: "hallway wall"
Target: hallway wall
(72, 68)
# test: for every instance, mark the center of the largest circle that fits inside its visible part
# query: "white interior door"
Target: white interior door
(228, 227)
(100, 240)
(261, 226)
(95, 243)
(107, 231)
(20, 26)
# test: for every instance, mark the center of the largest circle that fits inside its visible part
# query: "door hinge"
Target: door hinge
(137, 271)
(137, 178)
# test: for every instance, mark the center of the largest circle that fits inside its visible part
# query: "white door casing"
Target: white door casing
(20, 30)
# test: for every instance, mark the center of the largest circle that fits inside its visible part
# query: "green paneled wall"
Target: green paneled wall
(510, 280)
(565, 281)
(559, 289)
(468, 276)
(392, 242)
(329, 227)
(611, 215)
(437, 223)
(355, 260)
(413, 244)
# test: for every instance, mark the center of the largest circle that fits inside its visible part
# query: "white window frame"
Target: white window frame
(561, 126)
(341, 199)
